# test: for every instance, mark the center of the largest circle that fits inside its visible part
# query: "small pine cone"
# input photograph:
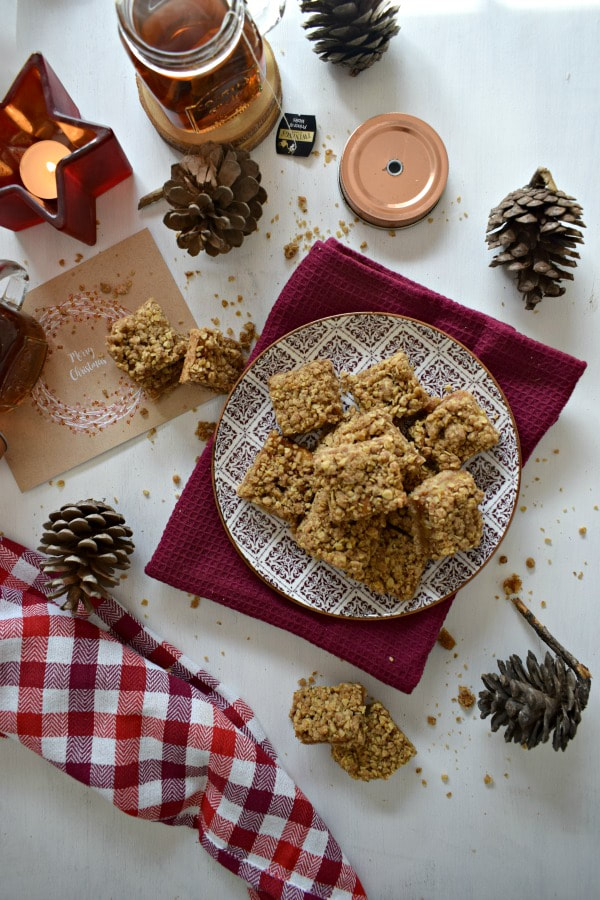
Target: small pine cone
(216, 198)
(85, 543)
(534, 702)
(535, 230)
(354, 34)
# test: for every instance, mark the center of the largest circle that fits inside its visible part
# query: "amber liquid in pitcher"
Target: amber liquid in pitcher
(22, 354)
(213, 97)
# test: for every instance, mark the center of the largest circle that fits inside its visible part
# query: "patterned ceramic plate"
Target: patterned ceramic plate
(355, 342)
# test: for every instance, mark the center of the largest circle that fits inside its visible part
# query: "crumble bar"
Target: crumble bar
(448, 514)
(454, 431)
(280, 480)
(365, 478)
(396, 565)
(306, 398)
(356, 426)
(147, 348)
(384, 749)
(212, 360)
(390, 384)
(329, 714)
(347, 545)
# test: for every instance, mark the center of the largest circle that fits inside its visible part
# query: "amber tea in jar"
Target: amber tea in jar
(202, 60)
(23, 343)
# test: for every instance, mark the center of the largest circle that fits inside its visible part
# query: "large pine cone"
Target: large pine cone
(534, 702)
(85, 543)
(353, 34)
(536, 229)
(216, 198)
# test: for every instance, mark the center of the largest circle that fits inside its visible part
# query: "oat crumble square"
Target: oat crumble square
(164, 380)
(384, 750)
(143, 343)
(365, 478)
(390, 384)
(454, 431)
(356, 426)
(448, 514)
(322, 714)
(347, 545)
(212, 360)
(306, 398)
(280, 480)
(396, 565)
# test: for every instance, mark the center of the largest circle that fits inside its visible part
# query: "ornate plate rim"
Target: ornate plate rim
(299, 602)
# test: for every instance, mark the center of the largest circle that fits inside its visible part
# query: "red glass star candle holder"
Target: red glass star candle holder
(38, 109)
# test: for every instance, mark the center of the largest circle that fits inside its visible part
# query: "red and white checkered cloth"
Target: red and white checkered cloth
(118, 709)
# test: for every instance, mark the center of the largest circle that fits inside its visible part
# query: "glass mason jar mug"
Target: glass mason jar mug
(203, 60)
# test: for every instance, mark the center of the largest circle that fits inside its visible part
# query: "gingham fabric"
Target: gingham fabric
(112, 705)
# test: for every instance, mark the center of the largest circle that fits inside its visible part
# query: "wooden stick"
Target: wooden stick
(152, 197)
(582, 671)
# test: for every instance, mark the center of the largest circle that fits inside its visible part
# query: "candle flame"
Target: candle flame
(51, 166)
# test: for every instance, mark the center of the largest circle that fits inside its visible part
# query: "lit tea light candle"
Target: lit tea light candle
(38, 168)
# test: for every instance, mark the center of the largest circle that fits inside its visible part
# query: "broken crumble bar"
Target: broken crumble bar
(306, 398)
(280, 480)
(147, 348)
(212, 360)
(454, 431)
(347, 545)
(356, 426)
(384, 750)
(396, 565)
(448, 514)
(390, 384)
(329, 714)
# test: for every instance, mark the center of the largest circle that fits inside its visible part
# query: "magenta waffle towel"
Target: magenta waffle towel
(107, 702)
(195, 553)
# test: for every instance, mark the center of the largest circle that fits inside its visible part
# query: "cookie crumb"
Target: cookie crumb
(502, 560)
(488, 780)
(205, 430)
(195, 603)
(466, 697)
(512, 584)
(530, 562)
(431, 720)
(290, 250)
(445, 639)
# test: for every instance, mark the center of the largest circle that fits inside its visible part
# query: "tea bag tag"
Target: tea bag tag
(296, 134)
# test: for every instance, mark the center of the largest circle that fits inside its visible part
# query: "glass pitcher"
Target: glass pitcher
(23, 343)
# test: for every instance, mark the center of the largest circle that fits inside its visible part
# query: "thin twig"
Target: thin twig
(582, 671)
(152, 197)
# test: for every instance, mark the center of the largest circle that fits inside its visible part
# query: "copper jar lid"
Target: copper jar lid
(393, 170)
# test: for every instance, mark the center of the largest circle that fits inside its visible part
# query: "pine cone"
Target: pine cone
(353, 34)
(216, 198)
(85, 542)
(532, 703)
(536, 228)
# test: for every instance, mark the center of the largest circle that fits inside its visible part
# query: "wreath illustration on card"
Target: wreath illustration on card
(98, 406)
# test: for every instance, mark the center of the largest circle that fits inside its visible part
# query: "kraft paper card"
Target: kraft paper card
(83, 404)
